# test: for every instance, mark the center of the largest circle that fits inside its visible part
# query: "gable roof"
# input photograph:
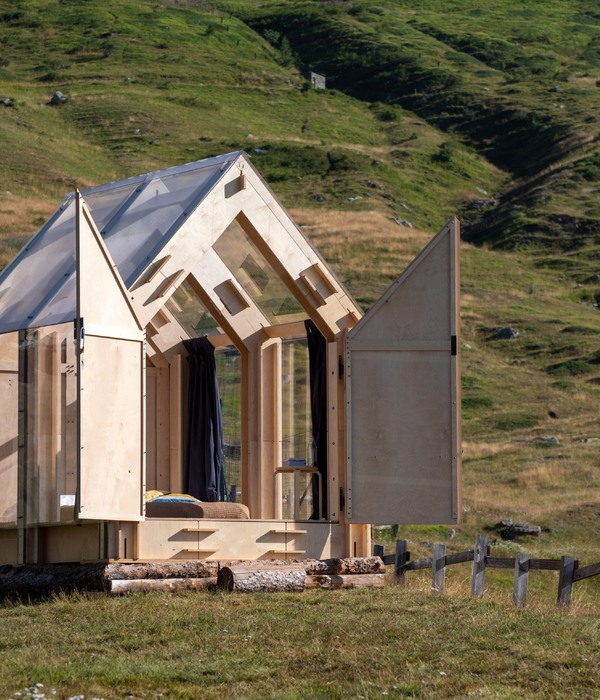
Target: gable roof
(136, 218)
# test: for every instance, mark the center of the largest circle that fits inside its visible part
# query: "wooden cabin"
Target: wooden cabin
(183, 378)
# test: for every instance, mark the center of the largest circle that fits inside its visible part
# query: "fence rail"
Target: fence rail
(568, 567)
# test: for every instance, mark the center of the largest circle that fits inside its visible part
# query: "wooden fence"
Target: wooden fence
(522, 564)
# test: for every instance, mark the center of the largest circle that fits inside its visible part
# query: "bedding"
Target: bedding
(178, 505)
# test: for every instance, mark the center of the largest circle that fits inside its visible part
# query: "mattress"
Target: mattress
(159, 508)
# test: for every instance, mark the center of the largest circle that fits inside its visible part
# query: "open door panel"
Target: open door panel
(111, 385)
(402, 394)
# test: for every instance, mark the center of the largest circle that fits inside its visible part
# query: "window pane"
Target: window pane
(9, 427)
(191, 313)
(256, 276)
(229, 375)
(48, 431)
(296, 430)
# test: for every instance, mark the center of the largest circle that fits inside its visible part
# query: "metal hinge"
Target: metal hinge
(79, 333)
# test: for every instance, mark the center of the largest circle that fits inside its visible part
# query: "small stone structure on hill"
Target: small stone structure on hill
(317, 81)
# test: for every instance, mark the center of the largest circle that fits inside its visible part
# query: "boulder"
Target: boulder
(505, 333)
(547, 440)
(58, 99)
(509, 530)
(403, 222)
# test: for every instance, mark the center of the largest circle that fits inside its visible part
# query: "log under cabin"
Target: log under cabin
(183, 378)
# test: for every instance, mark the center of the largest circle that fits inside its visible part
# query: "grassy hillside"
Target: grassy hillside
(518, 84)
(432, 108)
(153, 84)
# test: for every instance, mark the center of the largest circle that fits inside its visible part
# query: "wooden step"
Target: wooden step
(293, 552)
(197, 551)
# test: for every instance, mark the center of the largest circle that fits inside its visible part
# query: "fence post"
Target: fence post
(565, 581)
(521, 580)
(402, 557)
(479, 566)
(438, 570)
(378, 550)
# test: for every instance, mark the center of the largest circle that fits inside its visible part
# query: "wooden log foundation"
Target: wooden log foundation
(167, 585)
(161, 570)
(118, 578)
(333, 566)
(245, 580)
(337, 581)
(293, 580)
(42, 579)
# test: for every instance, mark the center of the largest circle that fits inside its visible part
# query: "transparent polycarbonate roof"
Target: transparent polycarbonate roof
(136, 218)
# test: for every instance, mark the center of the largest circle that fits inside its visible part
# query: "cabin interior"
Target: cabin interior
(175, 371)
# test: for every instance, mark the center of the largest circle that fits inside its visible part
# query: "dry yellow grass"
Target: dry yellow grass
(544, 475)
(366, 249)
(328, 229)
(476, 450)
(20, 217)
(590, 80)
(537, 494)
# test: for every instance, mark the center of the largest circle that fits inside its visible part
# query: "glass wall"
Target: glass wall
(48, 424)
(195, 318)
(229, 376)
(9, 428)
(296, 431)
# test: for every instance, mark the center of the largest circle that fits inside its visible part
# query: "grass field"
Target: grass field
(350, 644)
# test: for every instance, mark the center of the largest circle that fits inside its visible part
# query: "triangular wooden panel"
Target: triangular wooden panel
(111, 383)
(402, 392)
(102, 299)
(423, 291)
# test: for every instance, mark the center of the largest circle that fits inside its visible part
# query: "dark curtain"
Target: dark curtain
(205, 474)
(317, 359)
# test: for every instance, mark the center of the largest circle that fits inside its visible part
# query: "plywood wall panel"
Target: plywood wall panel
(111, 432)
(402, 396)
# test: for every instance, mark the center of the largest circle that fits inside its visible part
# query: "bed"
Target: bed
(180, 505)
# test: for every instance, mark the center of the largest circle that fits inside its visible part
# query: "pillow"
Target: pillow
(149, 495)
(173, 498)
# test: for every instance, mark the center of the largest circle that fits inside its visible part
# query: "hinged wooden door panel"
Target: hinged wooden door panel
(403, 399)
(111, 385)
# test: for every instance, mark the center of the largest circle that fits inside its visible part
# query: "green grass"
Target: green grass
(516, 421)
(359, 644)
